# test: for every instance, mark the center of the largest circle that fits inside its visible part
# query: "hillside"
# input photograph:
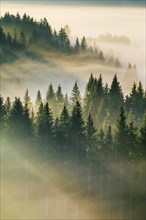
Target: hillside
(24, 36)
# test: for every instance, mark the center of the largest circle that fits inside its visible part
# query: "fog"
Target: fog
(34, 188)
(89, 21)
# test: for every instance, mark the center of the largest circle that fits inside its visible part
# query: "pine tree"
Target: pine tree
(2, 36)
(22, 39)
(91, 137)
(140, 101)
(75, 95)
(9, 40)
(88, 96)
(27, 123)
(101, 57)
(2, 117)
(132, 141)
(51, 99)
(83, 44)
(143, 139)
(109, 140)
(59, 99)
(50, 96)
(19, 125)
(77, 130)
(66, 102)
(45, 126)
(63, 40)
(77, 46)
(64, 125)
(97, 96)
(101, 139)
(121, 135)
(115, 97)
(27, 100)
(8, 105)
(38, 100)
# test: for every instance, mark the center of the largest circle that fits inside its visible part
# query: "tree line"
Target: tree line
(103, 123)
(26, 34)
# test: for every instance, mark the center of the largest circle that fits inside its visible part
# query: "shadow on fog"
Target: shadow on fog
(38, 187)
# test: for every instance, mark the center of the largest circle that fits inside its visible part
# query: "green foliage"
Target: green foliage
(75, 96)
(143, 139)
(116, 98)
(106, 133)
(29, 36)
(121, 134)
(38, 100)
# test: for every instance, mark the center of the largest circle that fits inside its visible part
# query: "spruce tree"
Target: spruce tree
(51, 99)
(64, 125)
(38, 100)
(45, 126)
(8, 105)
(101, 57)
(97, 96)
(143, 139)
(75, 95)
(121, 135)
(59, 99)
(88, 96)
(132, 142)
(109, 141)
(83, 44)
(115, 97)
(91, 136)
(77, 46)
(22, 39)
(19, 125)
(77, 130)
(66, 102)
(50, 96)
(2, 116)
(27, 100)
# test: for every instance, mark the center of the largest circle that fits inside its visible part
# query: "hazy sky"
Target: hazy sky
(83, 19)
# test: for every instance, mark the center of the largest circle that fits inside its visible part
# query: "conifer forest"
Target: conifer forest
(72, 146)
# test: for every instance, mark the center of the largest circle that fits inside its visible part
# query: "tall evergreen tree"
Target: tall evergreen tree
(19, 125)
(38, 100)
(45, 127)
(88, 96)
(59, 99)
(143, 139)
(109, 142)
(2, 116)
(64, 125)
(51, 99)
(115, 97)
(77, 46)
(50, 96)
(8, 105)
(132, 142)
(75, 95)
(83, 44)
(97, 96)
(101, 57)
(121, 135)
(91, 136)
(22, 39)
(77, 130)
(27, 100)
